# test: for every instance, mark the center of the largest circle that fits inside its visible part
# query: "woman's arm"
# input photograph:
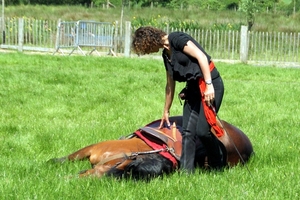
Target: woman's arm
(192, 50)
(169, 95)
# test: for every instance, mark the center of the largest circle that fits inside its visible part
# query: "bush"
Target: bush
(162, 22)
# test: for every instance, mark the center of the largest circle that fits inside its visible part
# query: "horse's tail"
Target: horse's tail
(144, 167)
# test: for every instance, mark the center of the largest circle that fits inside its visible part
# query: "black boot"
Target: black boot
(214, 153)
(187, 159)
(216, 163)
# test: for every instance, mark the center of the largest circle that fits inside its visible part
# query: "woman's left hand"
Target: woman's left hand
(164, 120)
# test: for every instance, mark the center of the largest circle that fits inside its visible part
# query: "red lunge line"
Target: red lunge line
(208, 111)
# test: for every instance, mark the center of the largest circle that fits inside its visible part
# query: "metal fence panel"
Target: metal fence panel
(76, 35)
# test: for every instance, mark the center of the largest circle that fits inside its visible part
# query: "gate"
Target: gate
(89, 34)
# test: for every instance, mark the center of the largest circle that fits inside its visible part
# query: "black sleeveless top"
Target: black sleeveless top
(181, 66)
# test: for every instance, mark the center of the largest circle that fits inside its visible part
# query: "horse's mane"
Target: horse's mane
(144, 167)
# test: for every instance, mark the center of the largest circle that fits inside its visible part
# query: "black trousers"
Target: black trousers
(195, 125)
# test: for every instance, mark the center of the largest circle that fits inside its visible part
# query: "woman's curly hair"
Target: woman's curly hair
(145, 38)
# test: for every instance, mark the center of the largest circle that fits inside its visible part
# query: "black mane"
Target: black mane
(144, 167)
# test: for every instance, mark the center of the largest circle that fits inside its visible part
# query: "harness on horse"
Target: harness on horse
(166, 141)
(168, 138)
(130, 156)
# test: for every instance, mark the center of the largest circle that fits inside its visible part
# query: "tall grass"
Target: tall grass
(53, 105)
(204, 18)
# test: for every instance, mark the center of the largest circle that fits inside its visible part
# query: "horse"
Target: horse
(151, 152)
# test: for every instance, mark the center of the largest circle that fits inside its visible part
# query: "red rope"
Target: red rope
(208, 111)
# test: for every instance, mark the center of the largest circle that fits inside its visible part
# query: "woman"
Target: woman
(185, 60)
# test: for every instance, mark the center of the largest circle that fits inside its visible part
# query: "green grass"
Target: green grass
(53, 105)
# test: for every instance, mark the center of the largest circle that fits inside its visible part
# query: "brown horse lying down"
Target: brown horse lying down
(150, 152)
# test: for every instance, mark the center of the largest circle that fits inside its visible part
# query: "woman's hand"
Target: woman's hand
(209, 94)
(164, 119)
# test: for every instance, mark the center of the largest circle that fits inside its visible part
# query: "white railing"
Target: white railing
(242, 45)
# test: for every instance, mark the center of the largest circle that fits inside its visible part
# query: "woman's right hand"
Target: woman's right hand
(164, 120)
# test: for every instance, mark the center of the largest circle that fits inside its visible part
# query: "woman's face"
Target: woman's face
(153, 49)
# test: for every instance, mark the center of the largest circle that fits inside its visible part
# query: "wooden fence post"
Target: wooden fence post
(57, 35)
(116, 37)
(127, 38)
(244, 44)
(21, 34)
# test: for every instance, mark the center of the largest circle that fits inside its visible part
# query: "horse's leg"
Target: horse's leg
(77, 155)
(106, 155)
(100, 170)
(87, 172)
(91, 172)
(81, 153)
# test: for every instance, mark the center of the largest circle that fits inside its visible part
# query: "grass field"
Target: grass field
(53, 105)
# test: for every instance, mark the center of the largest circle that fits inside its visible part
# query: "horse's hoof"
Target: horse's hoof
(82, 171)
(57, 160)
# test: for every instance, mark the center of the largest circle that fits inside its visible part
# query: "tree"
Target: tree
(249, 8)
(231, 4)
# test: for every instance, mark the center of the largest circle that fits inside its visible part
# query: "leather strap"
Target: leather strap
(130, 155)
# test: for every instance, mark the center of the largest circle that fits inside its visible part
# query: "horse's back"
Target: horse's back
(238, 145)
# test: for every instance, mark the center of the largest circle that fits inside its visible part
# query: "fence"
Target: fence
(76, 35)
(37, 35)
(258, 46)
(282, 47)
(44, 35)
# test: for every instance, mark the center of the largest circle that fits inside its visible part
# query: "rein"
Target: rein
(129, 156)
(235, 147)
